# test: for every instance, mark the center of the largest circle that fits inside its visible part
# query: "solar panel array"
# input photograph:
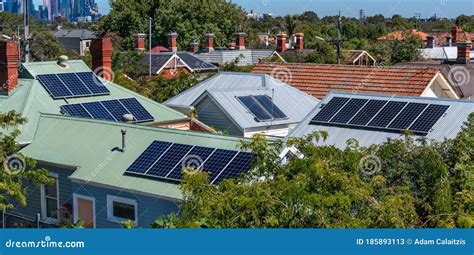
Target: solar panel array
(69, 85)
(166, 160)
(262, 107)
(385, 115)
(112, 110)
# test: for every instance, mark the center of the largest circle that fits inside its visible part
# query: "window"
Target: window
(88, 44)
(50, 200)
(120, 209)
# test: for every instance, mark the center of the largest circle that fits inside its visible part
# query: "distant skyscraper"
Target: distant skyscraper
(2, 7)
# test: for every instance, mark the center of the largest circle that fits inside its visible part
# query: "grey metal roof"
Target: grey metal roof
(441, 53)
(158, 60)
(75, 33)
(446, 127)
(247, 57)
(224, 87)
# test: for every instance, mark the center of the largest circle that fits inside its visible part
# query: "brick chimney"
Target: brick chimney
(193, 47)
(139, 41)
(209, 42)
(299, 41)
(9, 57)
(281, 42)
(173, 46)
(464, 52)
(240, 40)
(101, 51)
(455, 32)
(430, 42)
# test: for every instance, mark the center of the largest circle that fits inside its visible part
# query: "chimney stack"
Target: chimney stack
(430, 41)
(9, 58)
(139, 41)
(101, 51)
(449, 40)
(299, 41)
(454, 33)
(464, 52)
(209, 42)
(240, 40)
(194, 47)
(172, 41)
(281, 42)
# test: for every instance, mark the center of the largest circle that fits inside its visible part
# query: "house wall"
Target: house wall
(170, 73)
(71, 43)
(33, 203)
(279, 131)
(149, 208)
(210, 114)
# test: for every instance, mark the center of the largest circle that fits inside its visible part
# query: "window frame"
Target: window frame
(43, 198)
(110, 208)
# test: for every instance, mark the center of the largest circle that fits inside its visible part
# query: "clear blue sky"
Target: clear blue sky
(407, 8)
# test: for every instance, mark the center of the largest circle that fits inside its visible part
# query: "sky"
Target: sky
(406, 8)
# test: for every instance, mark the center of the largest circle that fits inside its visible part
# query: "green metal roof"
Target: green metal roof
(88, 145)
(30, 98)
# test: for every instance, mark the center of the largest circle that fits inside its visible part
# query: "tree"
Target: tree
(404, 50)
(398, 184)
(17, 169)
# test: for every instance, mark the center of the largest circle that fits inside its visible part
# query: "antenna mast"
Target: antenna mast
(27, 31)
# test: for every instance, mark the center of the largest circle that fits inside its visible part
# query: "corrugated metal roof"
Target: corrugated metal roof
(246, 57)
(88, 145)
(223, 88)
(158, 60)
(441, 53)
(446, 127)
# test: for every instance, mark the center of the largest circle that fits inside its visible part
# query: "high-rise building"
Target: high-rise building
(2, 7)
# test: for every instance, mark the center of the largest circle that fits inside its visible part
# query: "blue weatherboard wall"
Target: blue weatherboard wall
(149, 208)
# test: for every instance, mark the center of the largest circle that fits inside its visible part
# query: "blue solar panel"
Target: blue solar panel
(54, 86)
(194, 159)
(386, 115)
(348, 111)
(136, 109)
(428, 118)
(98, 111)
(76, 110)
(93, 83)
(331, 108)
(217, 161)
(239, 165)
(169, 160)
(367, 112)
(407, 116)
(75, 85)
(148, 157)
(115, 108)
(268, 105)
(255, 108)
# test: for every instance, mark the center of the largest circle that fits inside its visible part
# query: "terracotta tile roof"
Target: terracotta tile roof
(317, 80)
(399, 35)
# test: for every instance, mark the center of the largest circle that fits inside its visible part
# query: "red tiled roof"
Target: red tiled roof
(158, 49)
(317, 80)
(399, 35)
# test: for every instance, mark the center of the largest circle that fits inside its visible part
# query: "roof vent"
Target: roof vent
(127, 118)
(62, 61)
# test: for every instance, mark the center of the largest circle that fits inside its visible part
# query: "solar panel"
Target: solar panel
(194, 159)
(386, 115)
(428, 118)
(116, 109)
(72, 82)
(98, 111)
(93, 83)
(217, 161)
(136, 109)
(54, 86)
(331, 108)
(348, 111)
(169, 160)
(367, 112)
(407, 116)
(240, 164)
(148, 157)
(255, 108)
(266, 102)
(75, 110)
